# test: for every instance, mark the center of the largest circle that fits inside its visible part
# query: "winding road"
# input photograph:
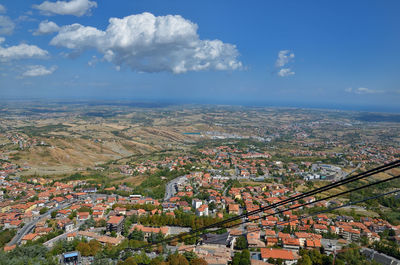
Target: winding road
(171, 187)
(28, 227)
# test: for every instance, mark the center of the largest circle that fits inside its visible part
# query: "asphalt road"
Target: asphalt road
(51, 242)
(31, 225)
(28, 227)
(171, 188)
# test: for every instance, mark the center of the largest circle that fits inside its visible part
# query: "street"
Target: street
(171, 187)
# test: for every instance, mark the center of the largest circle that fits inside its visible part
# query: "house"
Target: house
(233, 208)
(12, 224)
(313, 243)
(58, 199)
(107, 240)
(349, 233)
(82, 216)
(196, 203)
(202, 210)
(43, 230)
(63, 213)
(115, 223)
(303, 237)
(272, 241)
(66, 224)
(97, 215)
(27, 217)
(9, 248)
(69, 226)
(169, 206)
(253, 240)
(148, 231)
(291, 243)
(71, 236)
(120, 210)
(29, 237)
(287, 256)
(320, 228)
(102, 239)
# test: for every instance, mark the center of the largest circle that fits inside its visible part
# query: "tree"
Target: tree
(72, 215)
(155, 261)
(53, 214)
(177, 259)
(83, 248)
(95, 247)
(198, 261)
(241, 243)
(322, 249)
(43, 210)
(212, 206)
(136, 235)
(241, 258)
(85, 209)
(236, 258)
(101, 223)
(128, 261)
(190, 240)
(304, 260)
(6, 235)
(155, 237)
(190, 255)
(364, 240)
(245, 257)
(142, 258)
(221, 231)
(287, 229)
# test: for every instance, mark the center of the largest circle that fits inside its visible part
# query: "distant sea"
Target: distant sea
(157, 103)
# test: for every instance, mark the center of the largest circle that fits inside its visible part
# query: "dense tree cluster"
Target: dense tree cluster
(241, 258)
(6, 235)
(350, 255)
(181, 219)
(147, 207)
(31, 254)
(89, 249)
(154, 186)
(389, 249)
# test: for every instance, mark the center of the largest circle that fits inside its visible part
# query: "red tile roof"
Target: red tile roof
(275, 253)
(115, 219)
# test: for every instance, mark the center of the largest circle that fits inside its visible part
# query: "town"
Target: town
(80, 219)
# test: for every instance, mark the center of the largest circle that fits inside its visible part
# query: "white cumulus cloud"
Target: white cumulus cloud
(46, 27)
(2, 9)
(363, 90)
(38, 70)
(285, 72)
(147, 43)
(21, 51)
(6, 25)
(284, 57)
(73, 7)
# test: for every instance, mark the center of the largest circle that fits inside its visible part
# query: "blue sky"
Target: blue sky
(335, 54)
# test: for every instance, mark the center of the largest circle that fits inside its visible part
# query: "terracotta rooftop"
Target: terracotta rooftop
(275, 253)
(115, 220)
